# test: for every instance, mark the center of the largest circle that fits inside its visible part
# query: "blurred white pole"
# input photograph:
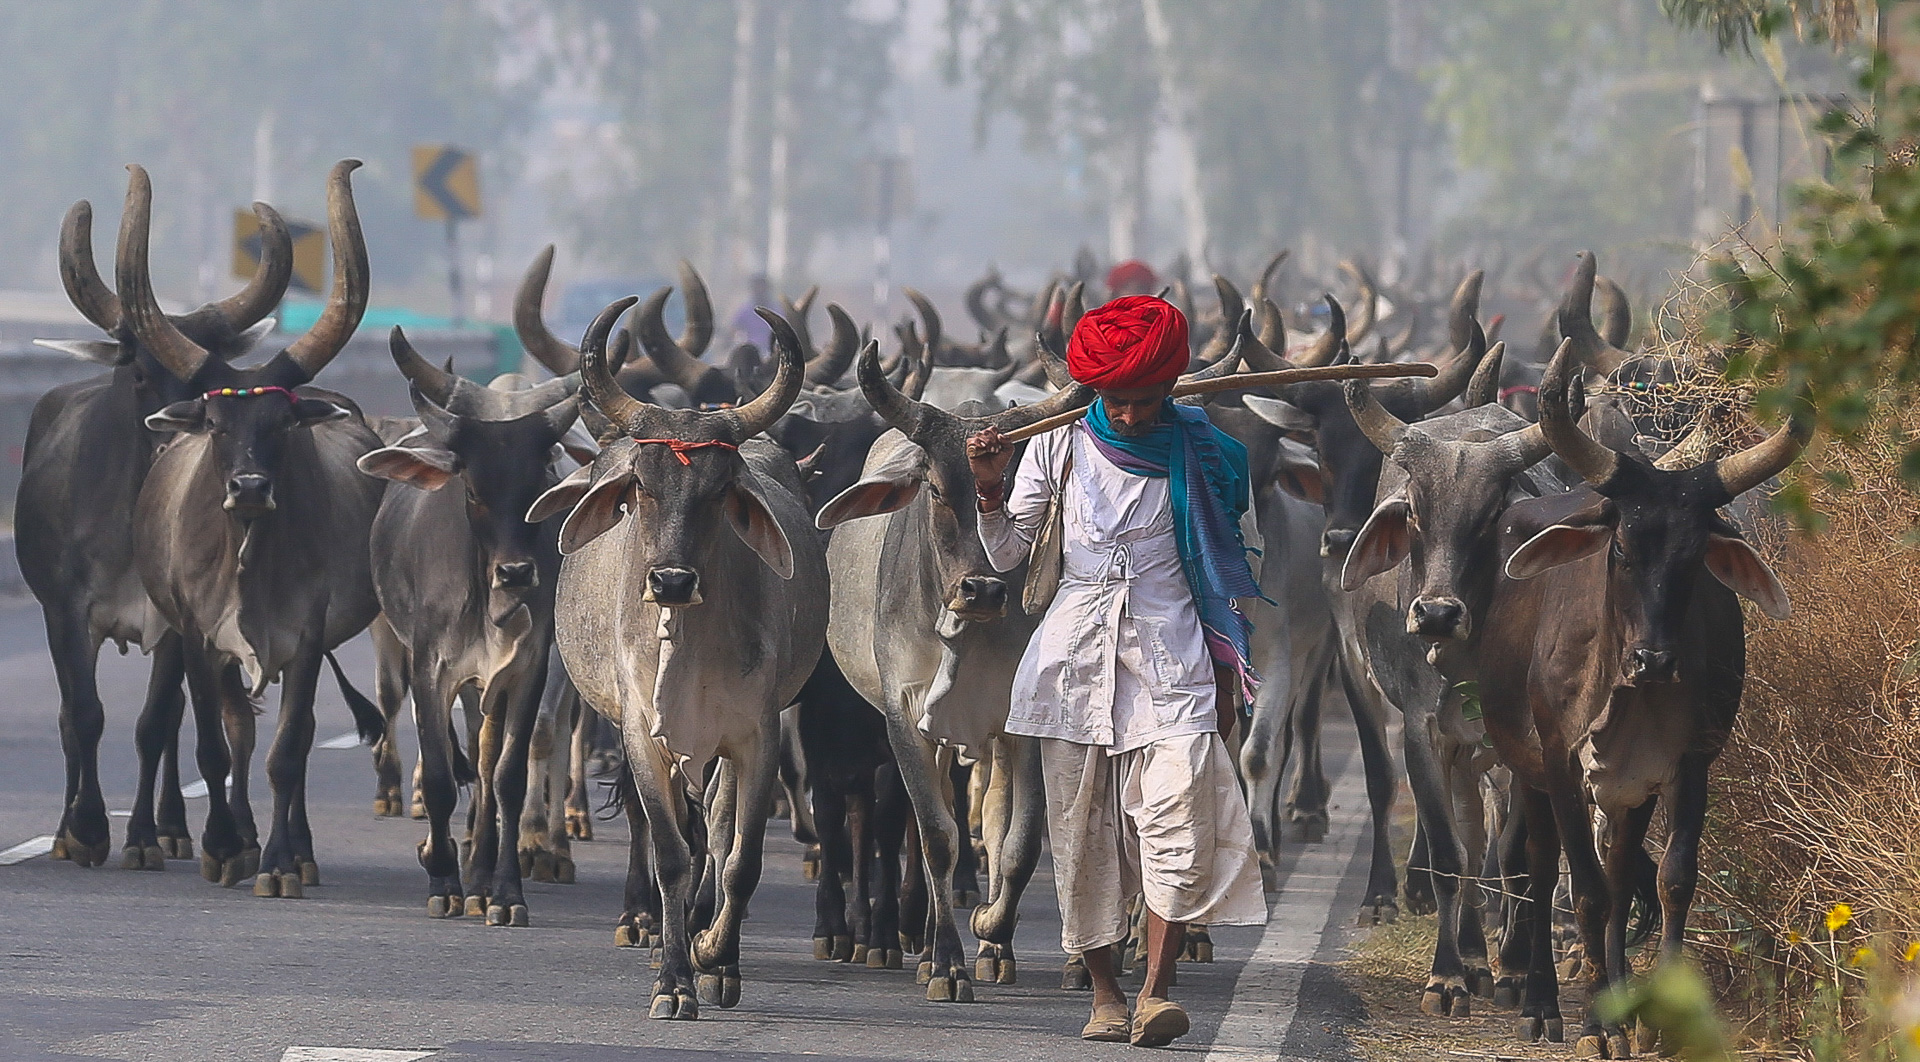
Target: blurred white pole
(263, 157)
(739, 168)
(779, 187)
(1179, 105)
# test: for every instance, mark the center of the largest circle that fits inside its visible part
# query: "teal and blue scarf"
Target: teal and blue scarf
(1206, 471)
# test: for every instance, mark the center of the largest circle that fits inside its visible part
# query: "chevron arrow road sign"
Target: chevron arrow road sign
(446, 183)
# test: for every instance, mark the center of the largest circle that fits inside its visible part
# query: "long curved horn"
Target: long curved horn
(1071, 397)
(1229, 363)
(1232, 306)
(352, 278)
(1576, 320)
(929, 320)
(558, 356)
(1616, 322)
(1455, 374)
(1259, 356)
(1273, 326)
(1076, 307)
(268, 285)
(758, 415)
(1464, 311)
(1328, 346)
(797, 313)
(975, 299)
(895, 408)
(1756, 464)
(1367, 314)
(1484, 388)
(429, 379)
(697, 332)
(181, 356)
(1382, 429)
(606, 395)
(1594, 461)
(650, 327)
(832, 362)
(78, 274)
(1265, 283)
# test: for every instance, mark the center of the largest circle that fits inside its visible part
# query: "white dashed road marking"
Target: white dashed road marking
(352, 1054)
(30, 848)
(1266, 998)
(349, 740)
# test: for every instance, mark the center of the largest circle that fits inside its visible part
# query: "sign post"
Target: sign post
(446, 187)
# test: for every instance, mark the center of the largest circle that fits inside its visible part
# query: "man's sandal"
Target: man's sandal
(1109, 1024)
(1158, 1022)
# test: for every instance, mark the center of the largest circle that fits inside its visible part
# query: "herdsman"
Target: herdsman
(1130, 683)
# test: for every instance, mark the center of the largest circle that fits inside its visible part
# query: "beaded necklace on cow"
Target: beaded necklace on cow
(250, 392)
(681, 446)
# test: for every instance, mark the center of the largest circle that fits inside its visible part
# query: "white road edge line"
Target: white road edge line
(30, 848)
(353, 1054)
(348, 740)
(1266, 998)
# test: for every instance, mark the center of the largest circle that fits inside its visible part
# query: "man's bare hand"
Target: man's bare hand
(988, 454)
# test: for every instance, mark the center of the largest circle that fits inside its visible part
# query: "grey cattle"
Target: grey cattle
(467, 586)
(691, 609)
(86, 456)
(920, 627)
(251, 537)
(1444, 487)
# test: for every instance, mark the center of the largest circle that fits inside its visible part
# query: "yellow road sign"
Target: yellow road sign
(446, 183)
(309, 251)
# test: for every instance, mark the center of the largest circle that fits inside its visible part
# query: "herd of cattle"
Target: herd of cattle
(764, 572)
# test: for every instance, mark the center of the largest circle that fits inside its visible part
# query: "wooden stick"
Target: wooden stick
(1241, 381)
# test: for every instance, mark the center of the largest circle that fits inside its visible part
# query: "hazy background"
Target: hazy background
(746, 135)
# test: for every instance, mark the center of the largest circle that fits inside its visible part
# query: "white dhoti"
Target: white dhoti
(1165, 820)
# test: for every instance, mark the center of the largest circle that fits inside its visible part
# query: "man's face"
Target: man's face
(1135, 411)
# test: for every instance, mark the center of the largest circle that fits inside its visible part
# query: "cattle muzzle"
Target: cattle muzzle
(1646, 667)
(515, 575)
(1336, 541)
(979, 597)
(673, 587)
(1437, 618)
(249, 495)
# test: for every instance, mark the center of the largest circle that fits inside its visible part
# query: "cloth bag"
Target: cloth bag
(1048, 554)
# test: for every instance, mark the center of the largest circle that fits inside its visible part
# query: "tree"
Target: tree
(182, 88)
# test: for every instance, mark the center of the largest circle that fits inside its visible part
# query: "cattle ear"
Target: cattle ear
(1297, 471)
(1557, 545)
(887, 489)
(427, 469)
(1738, 565)
(599, 511)
(1283, 415)
(1383, 543)
(100, 351)
(751, 519)
(311, 411)
(187, 416)
(562, 496)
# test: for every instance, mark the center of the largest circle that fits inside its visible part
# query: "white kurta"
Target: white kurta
(1118, 660)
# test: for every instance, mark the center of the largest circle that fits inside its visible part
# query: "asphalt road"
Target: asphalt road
(139, 966)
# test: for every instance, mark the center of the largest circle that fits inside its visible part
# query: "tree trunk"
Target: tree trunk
(1179, 103)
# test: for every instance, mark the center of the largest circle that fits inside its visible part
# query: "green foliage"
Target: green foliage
(1676, 1002)
(180, 88)
(665, 69)
(1736, 24)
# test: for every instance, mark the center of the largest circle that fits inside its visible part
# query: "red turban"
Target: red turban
(1135, 341)
(1132, 277)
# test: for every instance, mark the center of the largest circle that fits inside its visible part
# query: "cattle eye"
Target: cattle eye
(1618, 551)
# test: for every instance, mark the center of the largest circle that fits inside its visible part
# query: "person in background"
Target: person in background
(1131, 277)
(1133, 678)
(745, 326)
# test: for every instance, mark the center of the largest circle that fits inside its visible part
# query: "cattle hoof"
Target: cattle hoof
(626, 936)
(266, 885)
(1618, 1045)
(59, 850)
(656, 954)
(86, 855)
(476, 907)
(514, 915)
(984, 968)
(1269, 877)
(674, 1006)
(953, 988)
(438, 907)
(564, 872)
(885, 959)
(810, 863)
(1199, 947)
(1556, 1031)
(135, 857)
(1506, 991)
(823, 949)
(1569, 969)
(842, 949)
(419, 808)
(1421, 904)
(309, 872)
(177, 847)
(579, 825)
(708, 986)
(1074, 976)
(730, 988)
(1379, 912)
(859, 956)
(1480, 983)
(210, 868)
(292, 886)
(1007, 974)
(1590, 1046)
(242, 867)
(1646, 1040)
(923, 975)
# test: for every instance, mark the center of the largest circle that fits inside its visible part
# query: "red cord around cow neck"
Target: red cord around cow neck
(681, 446)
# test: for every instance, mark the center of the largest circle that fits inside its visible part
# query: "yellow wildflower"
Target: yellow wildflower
(1912, 952)
(1794, 937)
(1839, 917)
(1860, 957)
